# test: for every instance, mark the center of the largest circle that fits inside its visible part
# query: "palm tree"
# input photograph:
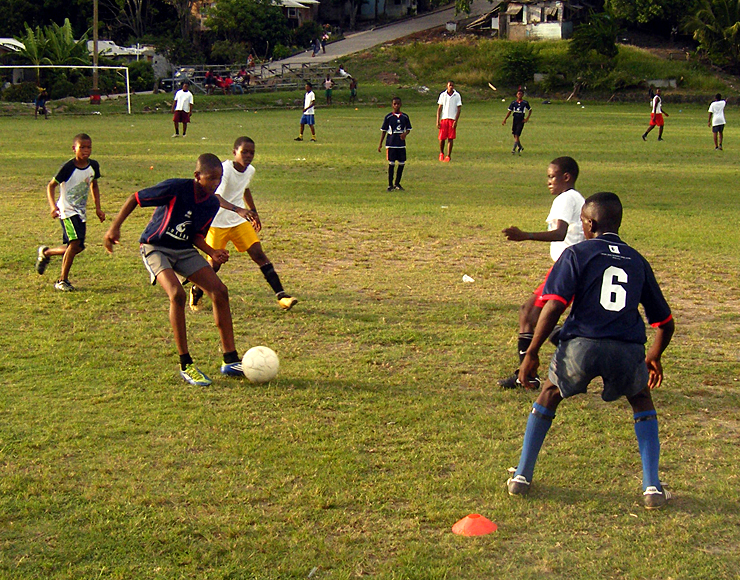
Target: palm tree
(716, 27)
(62, 48)
(34, 49)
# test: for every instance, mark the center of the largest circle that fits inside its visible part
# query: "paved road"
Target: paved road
(355, 42)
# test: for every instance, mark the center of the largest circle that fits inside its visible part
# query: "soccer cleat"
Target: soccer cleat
(398, 187)
(232, 369)
(390, 188)
(195, 376)
(513, 382)
(521, 148)
(175, 135)
(441, 156)
(287, 302)
(313, 139)
(195, 298)
(447, 159)
(299, 138)
(513, 151)
(42, 261)
(660, 139)
(654, 499)
(64, 286)
(517, 485)
(720, 148)
(644, 137)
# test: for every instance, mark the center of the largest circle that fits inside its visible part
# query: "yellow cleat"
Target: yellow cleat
(287, 302)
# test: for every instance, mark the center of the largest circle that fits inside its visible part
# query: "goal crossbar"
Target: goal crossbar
(89, 67)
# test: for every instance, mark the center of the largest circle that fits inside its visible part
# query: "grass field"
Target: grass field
(385, 425)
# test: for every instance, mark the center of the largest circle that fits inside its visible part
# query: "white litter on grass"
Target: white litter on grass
(583, 106)
(203, 138)
(299, 159)
(444, 206)
(578, 103)
(468, 279)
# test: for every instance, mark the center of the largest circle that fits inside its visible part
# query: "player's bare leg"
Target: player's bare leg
(258, 255)
(73, 248)
(207, 279)
(169, 282)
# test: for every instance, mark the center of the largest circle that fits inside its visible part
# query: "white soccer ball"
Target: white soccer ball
(260, 364)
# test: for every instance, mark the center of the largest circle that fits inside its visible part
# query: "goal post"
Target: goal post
(74, 66)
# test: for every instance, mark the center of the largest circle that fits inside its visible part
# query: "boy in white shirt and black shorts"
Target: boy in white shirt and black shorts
(717, 120)
(238, 221)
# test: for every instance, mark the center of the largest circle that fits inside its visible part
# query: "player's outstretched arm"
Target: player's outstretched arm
(113, 234)
(549, 317)
(663, 337)
(218, 256)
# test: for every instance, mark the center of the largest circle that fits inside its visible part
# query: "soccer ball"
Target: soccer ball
(260, 364)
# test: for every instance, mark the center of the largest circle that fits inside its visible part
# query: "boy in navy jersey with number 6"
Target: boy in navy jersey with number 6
(185, 210)
(604, 336)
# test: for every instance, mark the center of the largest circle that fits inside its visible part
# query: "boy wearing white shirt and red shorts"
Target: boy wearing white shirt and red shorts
(238, 221)
(564, 229)
(448, 113)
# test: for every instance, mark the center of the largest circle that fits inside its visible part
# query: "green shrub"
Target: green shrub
(281, 51)
(141, 75)
(520, 64)
(21, 93)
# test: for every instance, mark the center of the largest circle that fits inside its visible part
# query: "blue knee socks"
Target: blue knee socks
(646, 429)
(538, 424)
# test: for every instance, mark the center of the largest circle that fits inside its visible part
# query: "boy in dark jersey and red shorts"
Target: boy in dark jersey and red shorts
(185, 210)
(604, 336)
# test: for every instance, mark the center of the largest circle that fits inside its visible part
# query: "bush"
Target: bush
(304, 35)
(141, 75)
(225, 52)
(281, 51)
(21, 93)
(520, 64)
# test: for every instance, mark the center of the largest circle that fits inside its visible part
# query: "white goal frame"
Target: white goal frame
(72, 66)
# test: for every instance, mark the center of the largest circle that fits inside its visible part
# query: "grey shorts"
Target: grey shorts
(185, 263)
(578, 361)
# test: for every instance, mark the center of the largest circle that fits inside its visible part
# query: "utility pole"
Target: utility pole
(95, 92)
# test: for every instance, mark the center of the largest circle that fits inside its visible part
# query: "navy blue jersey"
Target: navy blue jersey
(518, 107)
(607, 281)
(179, 216)
(395, 125)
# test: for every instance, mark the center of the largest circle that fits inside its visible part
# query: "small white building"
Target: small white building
(530, 19)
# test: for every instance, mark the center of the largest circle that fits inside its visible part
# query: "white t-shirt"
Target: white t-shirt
(183, 100)
(717, 108)
(567, 207)
(657, 105)
(74, 187)
(232, 186)
(449, 103)
(308, 100)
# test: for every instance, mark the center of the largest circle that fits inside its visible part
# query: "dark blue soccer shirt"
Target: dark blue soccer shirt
(179, 216)
(519, 107)
(607, 280)
(395, 125)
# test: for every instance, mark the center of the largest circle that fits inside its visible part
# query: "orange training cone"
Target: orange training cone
(474, 525)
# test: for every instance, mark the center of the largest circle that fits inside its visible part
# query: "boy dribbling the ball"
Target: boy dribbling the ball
(76, 179)
(185, 210)
(237, 221)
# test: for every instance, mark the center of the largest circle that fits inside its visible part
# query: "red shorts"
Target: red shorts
(538, 301)
(447, 129)
(656, 119)
(181, 117)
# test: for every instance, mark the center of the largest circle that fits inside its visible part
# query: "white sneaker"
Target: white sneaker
(517, 485)
(654, 499)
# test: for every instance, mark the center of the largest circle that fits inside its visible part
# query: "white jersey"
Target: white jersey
(309, 99)
(74, 187)
(566, 207)
(717, 108)
(449, 103)
(657, 105)
(183, 100)
(232, 186)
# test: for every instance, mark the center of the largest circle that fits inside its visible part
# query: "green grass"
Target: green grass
(384, 426)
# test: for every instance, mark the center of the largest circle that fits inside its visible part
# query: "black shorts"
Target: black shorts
(396, 154)
(517, 125)
(73, 228)
(718, 128)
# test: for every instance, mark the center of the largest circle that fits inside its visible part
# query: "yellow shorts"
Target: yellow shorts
(242, 236)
